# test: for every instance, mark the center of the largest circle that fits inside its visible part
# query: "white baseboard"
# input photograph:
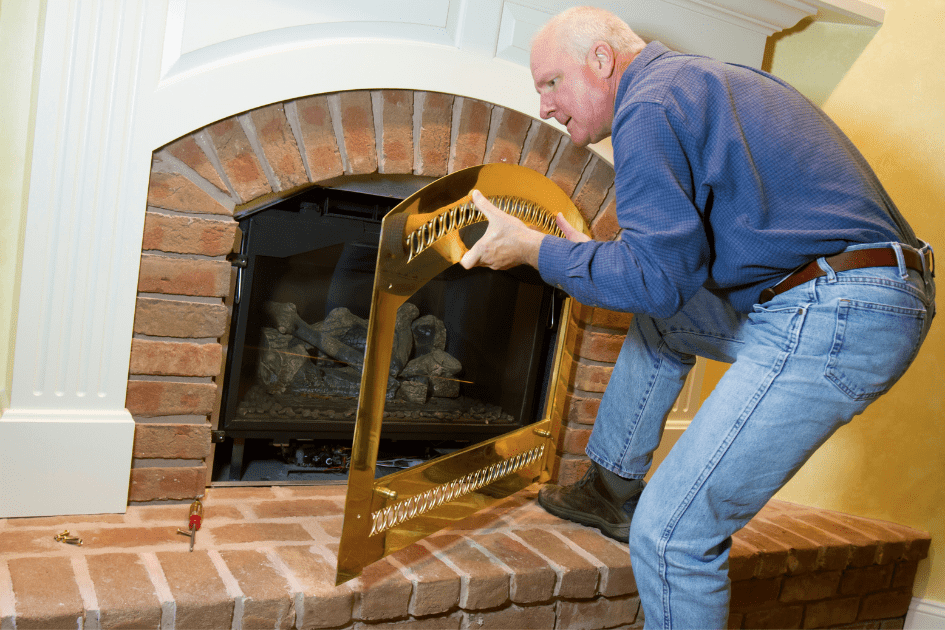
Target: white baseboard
(925, 614)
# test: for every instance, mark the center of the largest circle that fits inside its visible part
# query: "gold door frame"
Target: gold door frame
(419, 239)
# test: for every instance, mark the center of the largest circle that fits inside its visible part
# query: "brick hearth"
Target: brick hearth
(265, 558)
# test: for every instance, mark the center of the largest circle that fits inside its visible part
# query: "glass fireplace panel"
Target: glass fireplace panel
(312, 259)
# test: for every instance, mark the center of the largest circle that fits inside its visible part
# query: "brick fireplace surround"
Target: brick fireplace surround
(266, 554)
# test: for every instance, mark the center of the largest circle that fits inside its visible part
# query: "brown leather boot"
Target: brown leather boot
(600, 499)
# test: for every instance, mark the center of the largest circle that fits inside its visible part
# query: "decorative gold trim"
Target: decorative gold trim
(421, 237)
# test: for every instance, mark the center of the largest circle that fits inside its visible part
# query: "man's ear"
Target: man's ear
(601, 60)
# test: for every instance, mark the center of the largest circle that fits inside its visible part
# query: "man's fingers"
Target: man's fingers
(569, 232)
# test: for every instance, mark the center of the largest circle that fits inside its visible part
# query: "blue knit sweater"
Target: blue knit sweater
(726, 177)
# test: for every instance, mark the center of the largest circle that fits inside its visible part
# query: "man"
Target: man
(753, 232)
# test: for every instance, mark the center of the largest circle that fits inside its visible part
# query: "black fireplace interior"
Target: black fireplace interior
(472, 354)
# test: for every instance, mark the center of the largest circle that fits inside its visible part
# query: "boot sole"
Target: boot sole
(620, 533)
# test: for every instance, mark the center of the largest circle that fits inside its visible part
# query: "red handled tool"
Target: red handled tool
(196, 518)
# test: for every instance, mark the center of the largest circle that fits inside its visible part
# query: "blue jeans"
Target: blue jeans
(803, 364)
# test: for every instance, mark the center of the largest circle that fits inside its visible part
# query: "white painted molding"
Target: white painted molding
(61, 463)
(66, 436)
(925, 614)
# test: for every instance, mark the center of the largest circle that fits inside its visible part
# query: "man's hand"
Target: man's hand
(509, 242)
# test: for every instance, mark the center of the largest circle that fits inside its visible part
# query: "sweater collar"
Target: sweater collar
(650, 53)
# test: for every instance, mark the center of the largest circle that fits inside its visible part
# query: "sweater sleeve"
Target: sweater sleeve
(661, 257)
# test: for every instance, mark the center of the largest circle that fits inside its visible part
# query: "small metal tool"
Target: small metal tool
(196, 518)
(66, 537)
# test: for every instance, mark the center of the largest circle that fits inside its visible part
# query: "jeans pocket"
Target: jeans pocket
(873, 346)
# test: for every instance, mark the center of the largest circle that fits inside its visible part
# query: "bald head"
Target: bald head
(579, 28)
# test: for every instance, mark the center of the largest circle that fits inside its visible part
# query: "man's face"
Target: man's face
(571, 91)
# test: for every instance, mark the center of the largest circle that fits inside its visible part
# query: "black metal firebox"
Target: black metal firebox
(476, 344)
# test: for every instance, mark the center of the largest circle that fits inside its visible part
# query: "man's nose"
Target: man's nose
(547, 109)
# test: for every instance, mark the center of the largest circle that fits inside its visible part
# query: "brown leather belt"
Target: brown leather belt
(856, 259)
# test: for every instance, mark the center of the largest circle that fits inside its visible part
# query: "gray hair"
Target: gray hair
(578, 28)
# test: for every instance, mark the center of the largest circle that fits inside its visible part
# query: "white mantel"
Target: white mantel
(119, 78)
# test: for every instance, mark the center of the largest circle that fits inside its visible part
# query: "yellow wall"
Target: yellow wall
(888, 463)
(19, 22)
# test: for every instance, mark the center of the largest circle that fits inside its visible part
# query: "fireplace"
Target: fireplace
(472, 360)
(118, 116)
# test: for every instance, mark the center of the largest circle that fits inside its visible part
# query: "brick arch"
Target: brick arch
(199, 180)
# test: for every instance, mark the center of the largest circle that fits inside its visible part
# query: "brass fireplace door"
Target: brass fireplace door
(420, 238)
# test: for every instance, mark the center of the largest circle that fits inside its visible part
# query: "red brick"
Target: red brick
(772, 552)
(189, 152)
(595, 345)
(592, 193)
(238, 160)
(199, 593)
(904, 575)
(453, 621)
(258, 531)
(864, 549)
(171, 441)
(184, 276)
(532, 579)
(158, 317)
(168, 398)
(169, 358)
(616, 574)
(744, 559)
(567, 172)
(357, 121)
(810, 586)
(831, 612)
(591, 377)
(542, 148)
(435, 129)
(435, 586)
(581, 407)
(383, 592)
(269, 601)
(30, 541)
(188, 235)
(484, 584)
(606, 226)
(577, 577)
(885, 604)
(279, 146)
(47, 595)
(804, 553)
(397, 134)
(174, 191)
(857, 581)
(747, 594)
(324, 604)
(123, 588)
(571, 469)
(574, 441)
(162, 484)
(780, 617)
(597, 613)
(834, 553)
(512, 618)
(298, 507)
(584, 315)
(318, 137)
(510, 137)
(469, 146)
